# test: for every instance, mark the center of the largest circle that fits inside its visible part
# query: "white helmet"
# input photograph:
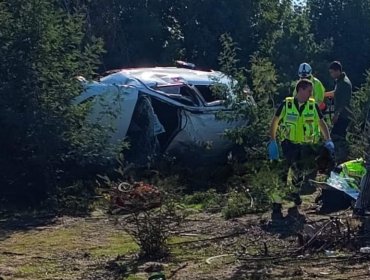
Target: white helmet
(304, 70)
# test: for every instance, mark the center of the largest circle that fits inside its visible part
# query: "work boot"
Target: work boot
(276, 212)
(294, 214)
(296, 199)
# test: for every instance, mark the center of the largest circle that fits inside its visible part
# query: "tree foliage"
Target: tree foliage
(42, 51)
(343, 22)
(359, 130)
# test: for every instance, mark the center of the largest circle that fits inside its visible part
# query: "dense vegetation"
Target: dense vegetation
(45, 44)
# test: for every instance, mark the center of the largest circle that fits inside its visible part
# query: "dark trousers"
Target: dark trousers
(340, 127)
(300, 160)
(338, 133)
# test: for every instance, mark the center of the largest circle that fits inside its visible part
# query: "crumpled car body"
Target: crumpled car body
(163, 110)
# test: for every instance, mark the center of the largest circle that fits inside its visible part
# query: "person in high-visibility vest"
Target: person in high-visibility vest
(318, 90)
(300, 122)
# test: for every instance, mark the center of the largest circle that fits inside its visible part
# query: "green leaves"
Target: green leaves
(43, 50)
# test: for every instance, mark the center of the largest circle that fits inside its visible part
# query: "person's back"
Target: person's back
(342, 100)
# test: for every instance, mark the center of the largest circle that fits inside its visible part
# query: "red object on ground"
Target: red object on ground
(139, 197)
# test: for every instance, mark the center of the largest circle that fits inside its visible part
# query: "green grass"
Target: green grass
(37, 270)
(135, 277)
(46, 252)
(118, 244)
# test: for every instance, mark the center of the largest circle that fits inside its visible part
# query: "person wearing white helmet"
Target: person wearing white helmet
(305, 72)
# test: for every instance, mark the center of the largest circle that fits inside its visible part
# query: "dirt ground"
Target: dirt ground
(205, 247)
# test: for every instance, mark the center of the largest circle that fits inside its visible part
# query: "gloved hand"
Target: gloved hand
(329, 145)
(273, 150)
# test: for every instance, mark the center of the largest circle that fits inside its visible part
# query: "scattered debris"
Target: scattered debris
(365, 250)
(135, 197)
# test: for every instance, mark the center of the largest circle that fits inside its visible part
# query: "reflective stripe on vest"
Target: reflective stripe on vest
(301, 128)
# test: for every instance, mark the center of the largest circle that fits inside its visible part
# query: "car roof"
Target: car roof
(166, 75)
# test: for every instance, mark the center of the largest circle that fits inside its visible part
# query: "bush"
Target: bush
(210, 200)
(238, 204)
(358, 135)
(43, 50)
(149, 224)
(75, 199)
(261, 181)
(265, 186)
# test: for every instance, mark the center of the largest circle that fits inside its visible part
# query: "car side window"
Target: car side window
(212, 96)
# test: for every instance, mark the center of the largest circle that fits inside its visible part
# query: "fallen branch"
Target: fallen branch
(304, 247)
(293, 258)
(11, 253)
(208, 239)
(21, 254)
(174, 271)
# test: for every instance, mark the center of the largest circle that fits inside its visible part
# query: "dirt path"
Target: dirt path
(97, 248)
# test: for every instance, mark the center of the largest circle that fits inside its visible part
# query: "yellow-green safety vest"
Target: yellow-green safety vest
(300, 128)
(353, 168)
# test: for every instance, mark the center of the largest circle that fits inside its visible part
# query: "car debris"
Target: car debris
(130, 198)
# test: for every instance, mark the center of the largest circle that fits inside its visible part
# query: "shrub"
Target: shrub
(262, 183)
(238, 204)
(265, 186)
(149, 224)
(210, 200)
(43, 50)
(358, 135)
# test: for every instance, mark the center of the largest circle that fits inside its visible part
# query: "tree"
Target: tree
(359, 129)
(342, 22)
(291, 42)
(43, 50)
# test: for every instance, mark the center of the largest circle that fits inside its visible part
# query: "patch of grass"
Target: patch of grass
(37, 270)
(49, 251)
(210, 200)
(173, 240)
(135, 277)
(197, 251)
(119, 244)
(44, 241)
(182, 254)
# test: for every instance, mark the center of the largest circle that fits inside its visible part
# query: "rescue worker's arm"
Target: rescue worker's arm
(324, 129)
(280, 112)
(275, 121)
(319, 91)
(274, 126)
(329, 94)
(322, 124)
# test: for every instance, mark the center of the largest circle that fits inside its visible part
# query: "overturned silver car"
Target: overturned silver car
(163, 110)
